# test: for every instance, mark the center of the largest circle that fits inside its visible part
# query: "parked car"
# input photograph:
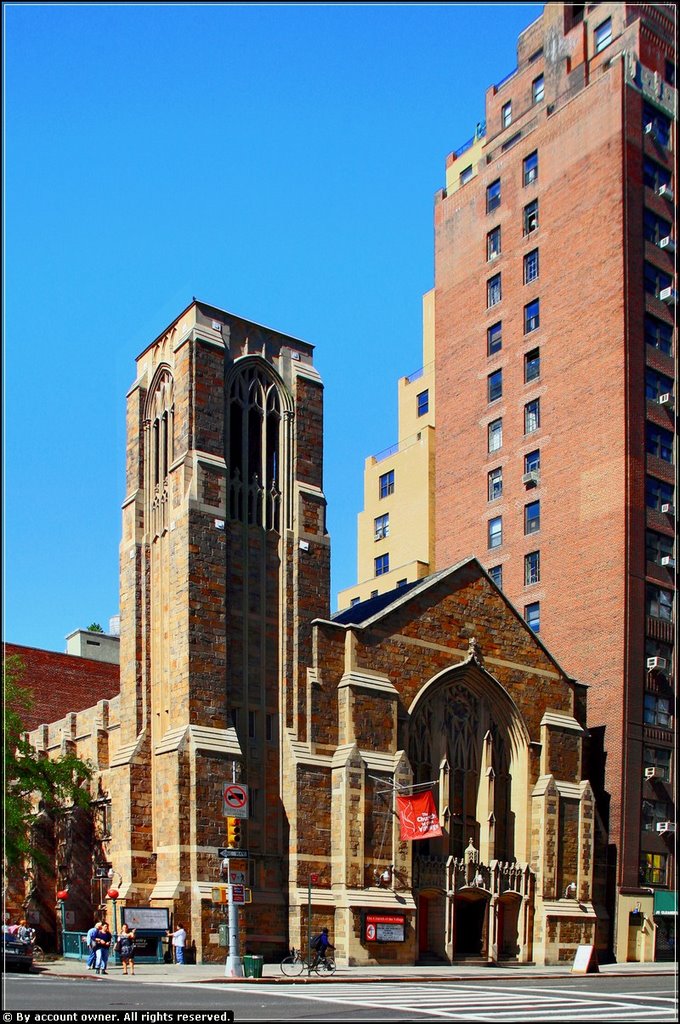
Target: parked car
(15, 953)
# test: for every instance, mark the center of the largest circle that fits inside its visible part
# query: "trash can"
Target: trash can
(258, 961)
(248, 966)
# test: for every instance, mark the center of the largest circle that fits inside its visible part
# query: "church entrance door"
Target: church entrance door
(471, 925)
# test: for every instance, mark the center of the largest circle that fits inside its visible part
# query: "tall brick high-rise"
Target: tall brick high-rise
(554, 365)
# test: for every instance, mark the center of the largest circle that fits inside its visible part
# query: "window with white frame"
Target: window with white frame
(386, 484)
(494, 385)
(532, 316)
(532, 416)
(530, 222)
(603, 35)
(531, 266)
(382, 565)
(506, 114)
(496, 574)
(381, 526)
(493, 243)
(532, 517)
(532, 568)
(532, 616)
(537, 89)
(495, 484)
(495, 430)
(494, 338)
(495, 532)
(530, 168)
(493, 291)
(493, 195)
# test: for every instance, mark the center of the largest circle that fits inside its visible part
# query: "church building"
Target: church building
(234, 672)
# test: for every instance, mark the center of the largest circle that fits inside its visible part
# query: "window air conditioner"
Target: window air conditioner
(666, 399)
(655, 663)
(649, 129)
(668, 295)
(665, 826)
(379, 535)
(666, 191)
(667, 243)
(650, 773)
(530, 479)
(668, 509)
(668, 562)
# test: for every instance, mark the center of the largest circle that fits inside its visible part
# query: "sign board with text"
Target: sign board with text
(385, 928)
(234, 800)
(585, 961)
(228, 851)
(147, 918)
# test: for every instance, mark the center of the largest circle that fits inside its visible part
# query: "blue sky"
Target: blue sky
(278, 161)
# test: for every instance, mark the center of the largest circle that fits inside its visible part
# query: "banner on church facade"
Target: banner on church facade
(418, 816)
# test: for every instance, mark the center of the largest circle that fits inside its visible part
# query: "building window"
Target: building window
(495, 484)
(234, 715)
(659, 442)
(658, 334)
(466, 174)
(660, 759)
(670, 72)
(653, 868)
(537, 89)
(496, 574)
(532, 616)
(532, 568)
(423, 402)
(401, 583)
(531, 217)
(532, 365)
(269, 727)
(657, 384)
(493, 195)
(382, 565)
(603, 35)
(496, 532)
(656, 123)
(252, 725)
(506, 114)
(658, 546)
(653, 811)
(655, 227)
(532, 317)
(493, 291)
(493, 244)
(532, 517)
(495, 435)
(494, 338)
(381, 525)
(532, 416)
(655, 175)
(386, 484)
(656, 280)
(657, 649)
(657, 711)
(530, 167)
(494, 383)
(353, 601)
(659, 603)
(532, 461)
(531, 266)
(374, 593)
(658, 493)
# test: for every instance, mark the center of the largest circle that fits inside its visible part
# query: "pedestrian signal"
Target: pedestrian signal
(233, 832)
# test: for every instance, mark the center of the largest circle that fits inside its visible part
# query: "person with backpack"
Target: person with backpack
(321, 944)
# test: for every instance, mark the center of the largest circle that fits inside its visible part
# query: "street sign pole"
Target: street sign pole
(234, 965)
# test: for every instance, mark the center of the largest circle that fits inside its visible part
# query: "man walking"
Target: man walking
(91, 945)
(179, 941)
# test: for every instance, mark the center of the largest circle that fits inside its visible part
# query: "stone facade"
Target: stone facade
(233, 671)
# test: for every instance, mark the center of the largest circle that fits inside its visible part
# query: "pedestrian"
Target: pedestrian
(24, 933)
(102, 940)
(179, 941)
(125, 947)
(91, 945)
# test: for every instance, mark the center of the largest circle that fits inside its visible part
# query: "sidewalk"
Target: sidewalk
(169, 974)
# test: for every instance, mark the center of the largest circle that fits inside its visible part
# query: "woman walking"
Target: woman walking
(126, 948)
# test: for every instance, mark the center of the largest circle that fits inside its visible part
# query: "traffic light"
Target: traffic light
(233, 833)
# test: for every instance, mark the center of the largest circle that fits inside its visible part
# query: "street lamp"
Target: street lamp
(312, 878)
(113, 894)
(62, 896)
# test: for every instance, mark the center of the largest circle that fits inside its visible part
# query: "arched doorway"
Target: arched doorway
(471, 925)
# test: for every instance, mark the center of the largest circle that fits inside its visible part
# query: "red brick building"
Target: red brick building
(62, 683)
(555, 373)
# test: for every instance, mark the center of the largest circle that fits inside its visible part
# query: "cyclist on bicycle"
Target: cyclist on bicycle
(322, 944)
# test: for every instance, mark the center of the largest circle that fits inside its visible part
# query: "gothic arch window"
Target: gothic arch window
(159, 423)
(257, 406)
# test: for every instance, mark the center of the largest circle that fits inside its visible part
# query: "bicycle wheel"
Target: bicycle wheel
(291, 966)
(38, 953)
(326, 965)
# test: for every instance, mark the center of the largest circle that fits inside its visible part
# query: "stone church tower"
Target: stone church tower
(224, 561)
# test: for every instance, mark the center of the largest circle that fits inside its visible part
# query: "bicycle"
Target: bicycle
(38, 953)
(294, 964)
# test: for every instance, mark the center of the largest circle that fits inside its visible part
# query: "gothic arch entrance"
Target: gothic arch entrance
(467, 737)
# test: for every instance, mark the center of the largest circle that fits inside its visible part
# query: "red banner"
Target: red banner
(418, 816)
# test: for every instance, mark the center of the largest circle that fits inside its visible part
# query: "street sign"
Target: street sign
(238, 893)
(234, 800)
(226, 851)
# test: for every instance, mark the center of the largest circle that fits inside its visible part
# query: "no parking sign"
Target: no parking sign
(234, 800)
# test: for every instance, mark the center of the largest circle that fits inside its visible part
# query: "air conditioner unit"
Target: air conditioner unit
(656, 663)
(666, 399)
(379, 535)
(668, 295)
(650, 773)
(667, 243)
(668, 509)
(649, 129)
(665, 826)
(531, 478)
(668, 562)
(666, 191)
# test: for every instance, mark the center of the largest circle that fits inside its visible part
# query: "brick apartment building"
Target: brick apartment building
(555, 375)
